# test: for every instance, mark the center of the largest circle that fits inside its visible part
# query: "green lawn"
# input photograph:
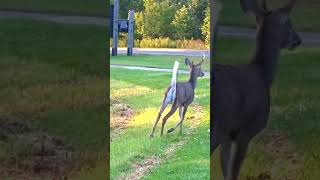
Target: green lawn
(143, 92)
(304, 17)
(289, 149)
(53, 77)
(85, 7)
(157, 61)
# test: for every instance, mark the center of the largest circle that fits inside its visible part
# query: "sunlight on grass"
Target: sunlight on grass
(149, 115)
(122, 89)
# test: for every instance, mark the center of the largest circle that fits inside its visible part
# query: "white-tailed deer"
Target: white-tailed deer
(184, 97)
(241, 94)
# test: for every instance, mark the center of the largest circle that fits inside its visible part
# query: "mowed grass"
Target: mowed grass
(304, 16)
(157, 61)
(85, 7)
(54, 77)
(134, 145)
(292, 148)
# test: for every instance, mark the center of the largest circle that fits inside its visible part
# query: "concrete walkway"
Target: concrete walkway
(309, 39)
(206, 74)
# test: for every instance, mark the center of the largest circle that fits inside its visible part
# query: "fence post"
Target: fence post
(115, 28)
(130, 32)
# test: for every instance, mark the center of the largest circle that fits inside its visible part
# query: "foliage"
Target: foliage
(158, 18)
(164, 43)
(205, 28)
(184, 23)
(172, 19)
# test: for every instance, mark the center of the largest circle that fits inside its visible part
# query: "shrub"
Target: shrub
(163, 43)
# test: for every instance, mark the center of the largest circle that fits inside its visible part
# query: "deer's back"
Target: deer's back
(241, 99)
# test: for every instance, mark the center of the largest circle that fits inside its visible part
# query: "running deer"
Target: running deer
(241, 94)
(184, 97)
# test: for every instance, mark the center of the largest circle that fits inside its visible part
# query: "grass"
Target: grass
(304, 16)
(134, 145)
(84, 7)
(294, 115)
(53, 77)
(157, 61)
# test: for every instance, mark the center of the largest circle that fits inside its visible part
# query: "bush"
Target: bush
(163, 43)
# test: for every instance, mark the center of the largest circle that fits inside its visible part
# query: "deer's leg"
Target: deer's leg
(164, 120)
(180, 115)
(163, 107)
(232, 155)
(225, 156)
(185, 108)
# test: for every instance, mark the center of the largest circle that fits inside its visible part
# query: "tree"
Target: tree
(183, 23)
(126, 5)
(157, 19)
(206, 26)
(189, 19)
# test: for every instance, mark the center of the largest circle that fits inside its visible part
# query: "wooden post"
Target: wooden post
(130, 32)
(115, 28)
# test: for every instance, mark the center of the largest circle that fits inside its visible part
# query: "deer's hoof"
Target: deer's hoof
(151, 135)
(170, 130)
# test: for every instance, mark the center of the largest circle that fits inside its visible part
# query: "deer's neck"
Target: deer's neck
(193, 79)
(267, 53)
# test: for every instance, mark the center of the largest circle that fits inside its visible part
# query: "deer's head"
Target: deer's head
(275, 22)
(195, 69)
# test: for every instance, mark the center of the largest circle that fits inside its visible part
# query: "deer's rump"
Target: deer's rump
(184, 93)
(241, 100)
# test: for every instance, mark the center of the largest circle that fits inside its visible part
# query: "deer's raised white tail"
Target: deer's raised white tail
(171, 96)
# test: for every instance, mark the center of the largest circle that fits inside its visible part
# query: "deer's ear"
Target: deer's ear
(187, 61)
(251, 7)
(199, 64)
(286, 9)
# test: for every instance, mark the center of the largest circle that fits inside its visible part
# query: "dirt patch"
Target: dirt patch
(10, 127)
(286, 159)
(145, 166)
(120, 118)
(141, 168)
(261, 176)
(29, 153)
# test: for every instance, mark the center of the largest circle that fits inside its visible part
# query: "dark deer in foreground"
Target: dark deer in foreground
(184, 97)
(241, 93)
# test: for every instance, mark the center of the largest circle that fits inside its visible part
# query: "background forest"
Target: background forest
(169, 22)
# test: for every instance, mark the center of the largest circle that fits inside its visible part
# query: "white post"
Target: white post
(130, 32)
(115, 28)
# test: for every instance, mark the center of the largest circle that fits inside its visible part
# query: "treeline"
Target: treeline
(174, 19)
